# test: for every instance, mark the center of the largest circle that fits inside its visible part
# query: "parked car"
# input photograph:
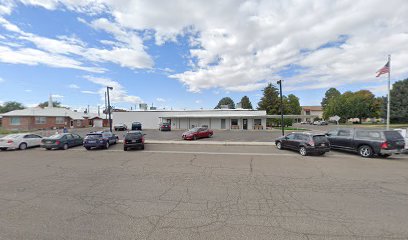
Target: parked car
(62, 141)
(197, 132)
(305, 143)
(367, 142)
(304, 122)
(316, 123)
(136, 126)
(165, 126)
(20, 141)
(133, 139)
(102, 139)
(404, 133)
(323, 123)
(120, 127)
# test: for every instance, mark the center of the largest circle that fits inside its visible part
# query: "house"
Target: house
(43, 118)
(311, 110)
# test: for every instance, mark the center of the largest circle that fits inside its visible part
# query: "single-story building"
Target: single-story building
(44, 118)
(240, 119)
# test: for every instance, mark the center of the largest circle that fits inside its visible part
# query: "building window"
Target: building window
(78, 122)
(15, 121)
(40, 120)
(59, 120)
(257, 122)
(307, 112)
(234, 124)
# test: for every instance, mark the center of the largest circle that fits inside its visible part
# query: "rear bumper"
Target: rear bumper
(133, 145)
(318, 150)
(95, 145)
(8, 146)
(52, 146)
(391, 151)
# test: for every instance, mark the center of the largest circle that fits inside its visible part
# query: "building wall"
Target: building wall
(27, 123)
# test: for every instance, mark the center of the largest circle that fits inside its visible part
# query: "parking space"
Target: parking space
(171, 191)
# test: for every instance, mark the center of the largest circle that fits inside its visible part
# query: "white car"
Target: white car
(20, 141)
(404, 133)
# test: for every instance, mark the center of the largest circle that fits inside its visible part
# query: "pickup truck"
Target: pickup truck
(367, 142)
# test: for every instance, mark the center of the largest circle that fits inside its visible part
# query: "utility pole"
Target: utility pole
(109, 108)
(281, 107)
(106, 108)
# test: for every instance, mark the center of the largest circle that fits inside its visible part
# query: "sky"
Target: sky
(189, 54)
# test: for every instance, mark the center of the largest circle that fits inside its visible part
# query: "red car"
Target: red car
(198, 132)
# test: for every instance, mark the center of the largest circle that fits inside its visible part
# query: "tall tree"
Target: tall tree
(246, 103)
(270, 100)
(11, 106)
(330, 94)
(399, 102)
(226, 101)
(45, 104)
(292, 105)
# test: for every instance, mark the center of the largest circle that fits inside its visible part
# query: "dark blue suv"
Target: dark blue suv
(100, 139)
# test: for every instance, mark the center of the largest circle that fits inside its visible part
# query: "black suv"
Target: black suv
(136, 126)
(304, 142)
(133, 139)
(367, 142)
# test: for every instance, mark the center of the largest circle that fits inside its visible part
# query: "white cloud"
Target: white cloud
(57, 96)
(89, 92)
(117, 95)
(28, 90)
(73, 86)
(160, 99)
(198, 101)
(240, 45)
(1, 80)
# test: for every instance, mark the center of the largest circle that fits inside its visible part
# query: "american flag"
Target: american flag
(383, 70)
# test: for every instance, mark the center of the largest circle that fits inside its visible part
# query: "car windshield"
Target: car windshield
(393, 135)
(319, 138)
(93, 136)
(133, 135)
(194, 129)
(56, 136)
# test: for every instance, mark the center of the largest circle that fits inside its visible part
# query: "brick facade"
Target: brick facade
(28, 123)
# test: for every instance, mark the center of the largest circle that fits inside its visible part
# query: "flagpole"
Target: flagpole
(389, 97)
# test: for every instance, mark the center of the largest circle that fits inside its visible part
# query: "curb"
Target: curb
(223, 143)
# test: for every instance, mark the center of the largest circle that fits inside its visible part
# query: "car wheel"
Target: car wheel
(142, 147)
(194, 137)
(3, 149)
(365, 151)
(107, 145)
(303, 151)
(65, 147)
(23, 146)
(279, 145)
(210, 135)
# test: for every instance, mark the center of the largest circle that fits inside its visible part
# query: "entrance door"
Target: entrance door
(245, 124)
(222, 123)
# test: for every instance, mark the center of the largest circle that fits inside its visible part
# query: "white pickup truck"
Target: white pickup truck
(404, 133)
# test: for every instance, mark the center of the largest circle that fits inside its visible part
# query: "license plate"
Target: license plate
(92, 141)
(323, 145)
(133, 141)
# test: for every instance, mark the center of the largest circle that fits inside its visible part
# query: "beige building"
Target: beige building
(311, 110)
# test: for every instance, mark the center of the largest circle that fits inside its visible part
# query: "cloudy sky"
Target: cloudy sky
(189, 54)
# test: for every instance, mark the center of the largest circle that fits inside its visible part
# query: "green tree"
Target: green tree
(330, 94)
(246, 103)
(45, 104)
(11, 106)
(226, 101)
(399, 102)
(292, 105)
(270, 100)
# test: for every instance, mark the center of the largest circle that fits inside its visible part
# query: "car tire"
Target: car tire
(65, 147)
(107, 145)
(194, 137)
(142, 147)
(22, 146)
(303, 151)
(3, 149)
(125, 148)
(210, 135)
(365, 151)
(279, 145)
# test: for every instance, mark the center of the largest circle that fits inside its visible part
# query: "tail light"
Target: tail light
(10, 141)
(384, 145)
(142, 139)
(311, 143)
(57, 142)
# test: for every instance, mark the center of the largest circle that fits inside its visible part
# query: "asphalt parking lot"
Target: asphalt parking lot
(201, 192)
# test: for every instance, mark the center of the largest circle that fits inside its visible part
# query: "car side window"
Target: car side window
(28, 136)
(35, 136)
(298, 137)
(332, 133)
(76, 136)
(290, 136)
(344, 133)
(69, 136)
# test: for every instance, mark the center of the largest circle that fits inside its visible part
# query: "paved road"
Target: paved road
(200, 192)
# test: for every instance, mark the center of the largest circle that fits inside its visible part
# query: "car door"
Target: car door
(70, 140)
(77, 139)
(332, 136)
(35, 140)
(287, 142)
(28, 140)
(345, 138)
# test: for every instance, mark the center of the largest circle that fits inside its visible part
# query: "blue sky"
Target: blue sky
(189, 56)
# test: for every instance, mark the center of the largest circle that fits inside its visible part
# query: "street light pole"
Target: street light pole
(109, 108)
(281, 107)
